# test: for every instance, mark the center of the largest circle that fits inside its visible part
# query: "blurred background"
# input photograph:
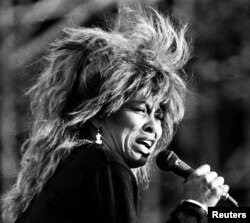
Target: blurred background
(216, 127)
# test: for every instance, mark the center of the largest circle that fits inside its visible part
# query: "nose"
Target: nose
(151, 126)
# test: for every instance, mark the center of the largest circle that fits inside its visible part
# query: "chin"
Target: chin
(137, 163)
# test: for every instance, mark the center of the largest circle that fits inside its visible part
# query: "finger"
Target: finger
(210, 176)
(225, 189)
(221, 191)
(217, 182)
(202, 170)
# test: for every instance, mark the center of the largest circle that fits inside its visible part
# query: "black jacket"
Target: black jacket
(94, 185)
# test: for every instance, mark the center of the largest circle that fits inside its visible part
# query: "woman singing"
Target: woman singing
(104, 106)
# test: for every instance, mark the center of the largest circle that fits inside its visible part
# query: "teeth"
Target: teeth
(147, 143)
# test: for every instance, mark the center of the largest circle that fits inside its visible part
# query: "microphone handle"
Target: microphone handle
(230, 199)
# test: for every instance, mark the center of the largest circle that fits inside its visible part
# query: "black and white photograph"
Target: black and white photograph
(124, 111)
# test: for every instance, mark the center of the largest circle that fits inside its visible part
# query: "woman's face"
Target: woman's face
(134, 130)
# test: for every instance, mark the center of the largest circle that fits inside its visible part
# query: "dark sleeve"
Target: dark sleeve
(115, 194)
(188, 213)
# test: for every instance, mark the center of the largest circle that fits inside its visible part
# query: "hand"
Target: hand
(205, 186)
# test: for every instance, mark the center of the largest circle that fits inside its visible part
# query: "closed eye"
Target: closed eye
(139, 110)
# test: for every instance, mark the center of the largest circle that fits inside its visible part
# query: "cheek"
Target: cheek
(125, 121)
(127, 127)
(120, 128)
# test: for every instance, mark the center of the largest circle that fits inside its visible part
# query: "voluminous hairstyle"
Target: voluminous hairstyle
(92, 73)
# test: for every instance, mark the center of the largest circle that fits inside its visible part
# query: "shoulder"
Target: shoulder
(87, 163)
(105, 163)
(93, 157)
(97, 154)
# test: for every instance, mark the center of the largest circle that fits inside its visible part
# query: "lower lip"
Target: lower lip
(142, 159)
(144, 155)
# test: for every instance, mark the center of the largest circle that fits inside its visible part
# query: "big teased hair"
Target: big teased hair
(92, 73)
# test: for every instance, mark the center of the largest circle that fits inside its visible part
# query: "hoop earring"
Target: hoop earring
(98, 137)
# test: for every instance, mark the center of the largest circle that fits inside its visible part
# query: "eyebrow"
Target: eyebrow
(160, 107)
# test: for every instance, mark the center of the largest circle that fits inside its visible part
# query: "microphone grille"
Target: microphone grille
(166, 159)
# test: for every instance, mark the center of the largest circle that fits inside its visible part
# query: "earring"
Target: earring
(98, 137)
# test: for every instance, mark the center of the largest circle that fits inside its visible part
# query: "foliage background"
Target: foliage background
(216, 127)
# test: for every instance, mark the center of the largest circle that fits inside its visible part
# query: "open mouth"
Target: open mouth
(145, 142)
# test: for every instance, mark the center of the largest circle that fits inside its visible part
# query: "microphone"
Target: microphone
(167, 160)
